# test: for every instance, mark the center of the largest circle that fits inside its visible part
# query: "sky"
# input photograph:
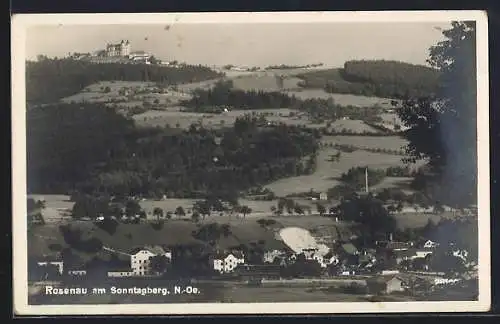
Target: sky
(249, 44)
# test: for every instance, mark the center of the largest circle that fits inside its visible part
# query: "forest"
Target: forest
(223, 94)
(153, 162)
(381, 78)
(49, 80)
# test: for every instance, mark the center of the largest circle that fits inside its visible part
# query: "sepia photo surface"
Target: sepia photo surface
(243, 163)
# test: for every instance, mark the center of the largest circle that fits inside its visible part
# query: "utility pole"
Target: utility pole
(366, 179)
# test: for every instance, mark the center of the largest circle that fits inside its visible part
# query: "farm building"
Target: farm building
(56, 262)
(275, 249)
(140, 262)
(125, 273)
(226, 262)
(430, 244)
(386, 285)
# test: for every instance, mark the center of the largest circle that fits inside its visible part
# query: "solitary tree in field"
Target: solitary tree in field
(203, 208)
(245, 210)
(298, 209)
(132, 208)
(290, 205)
(179, 212)
(158, 213)
(195, 217)
(321, 209)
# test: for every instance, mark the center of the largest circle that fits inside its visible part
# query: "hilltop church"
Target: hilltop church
(120, 49)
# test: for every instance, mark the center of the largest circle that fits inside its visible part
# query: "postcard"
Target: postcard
(250, 163)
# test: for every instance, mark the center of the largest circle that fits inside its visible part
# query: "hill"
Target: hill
(389, 79)
(52, 79)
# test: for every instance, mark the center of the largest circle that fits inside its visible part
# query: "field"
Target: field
(371, 142)
(357, 126)
(327, 174)
(264, 82)
(130, 94)
(172, 116)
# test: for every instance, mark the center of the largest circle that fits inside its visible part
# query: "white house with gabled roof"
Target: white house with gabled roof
(140, 259)
(226, 262)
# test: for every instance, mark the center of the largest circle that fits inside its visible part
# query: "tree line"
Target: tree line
(223, 95)
(49, 80)
(381, 78)
(92, 149)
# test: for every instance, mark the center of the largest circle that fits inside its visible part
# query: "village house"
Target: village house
(140, 260)
(124, 273)
(271, 256)
(323, 196)
(461, 254)
(77, 273)
(367, 258)
(140, 56)
(430, 244)
(275, 250)
(386, 285)
(226, 262)
(328, 259)
(309, 253)
(56, 262)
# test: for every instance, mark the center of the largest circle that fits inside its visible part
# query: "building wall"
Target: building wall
(228, 264)
(120, 274)
(231, 262)
(422, 254)
(58, 264)
(120, 49)
(140, 262)
(394, 285)
(218, 265)
(269, 256)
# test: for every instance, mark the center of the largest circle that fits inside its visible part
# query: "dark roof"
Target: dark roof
(237, 254)
(329, 254)
(224, 254)
(271, 245)
(394, 245)
(385, 279)
(156, 249)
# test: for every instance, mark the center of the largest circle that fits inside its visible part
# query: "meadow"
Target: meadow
(172, 116)
(371, 142)
(353, 125)
(138, 93)
(328, 172)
